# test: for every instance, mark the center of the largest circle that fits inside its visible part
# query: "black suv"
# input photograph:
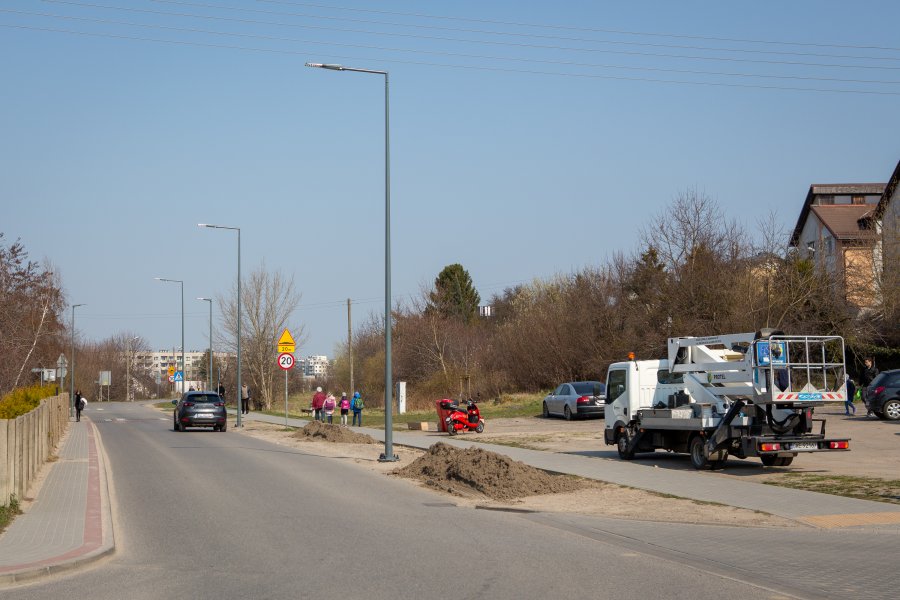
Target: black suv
(199, 409)
(883, 395)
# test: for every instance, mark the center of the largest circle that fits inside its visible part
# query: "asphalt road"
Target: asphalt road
(213, 515)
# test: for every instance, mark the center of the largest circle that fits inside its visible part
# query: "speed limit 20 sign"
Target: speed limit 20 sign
(286, 361)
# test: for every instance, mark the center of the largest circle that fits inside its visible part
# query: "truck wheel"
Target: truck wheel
(698, 454)
(768, 460)
(622, 446)
(784, 461)
(891, 410)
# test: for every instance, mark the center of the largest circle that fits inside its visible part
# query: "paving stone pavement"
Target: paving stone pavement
(69, 522)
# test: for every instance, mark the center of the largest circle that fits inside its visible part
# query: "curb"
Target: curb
(107, 545)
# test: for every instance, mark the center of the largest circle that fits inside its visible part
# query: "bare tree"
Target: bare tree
(268, 299)
(31, 304)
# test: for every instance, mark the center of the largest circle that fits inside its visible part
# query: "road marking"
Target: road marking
(852, 520)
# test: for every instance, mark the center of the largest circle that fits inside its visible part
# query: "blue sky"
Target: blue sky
(512, 160)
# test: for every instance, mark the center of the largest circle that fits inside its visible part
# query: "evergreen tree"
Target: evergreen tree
(454, 295)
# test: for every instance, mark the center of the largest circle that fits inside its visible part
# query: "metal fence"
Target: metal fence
(27, 442)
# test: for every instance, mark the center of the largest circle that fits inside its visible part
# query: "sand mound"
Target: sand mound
(333, 433)
(461, 472)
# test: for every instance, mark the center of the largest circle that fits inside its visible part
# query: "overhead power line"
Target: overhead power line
(494, 32)
(451, 66)
(475, 41)
(575, 28)
(439, 53)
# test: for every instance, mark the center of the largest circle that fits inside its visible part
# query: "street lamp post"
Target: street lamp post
(183, 364)
(388, 455)
(238, 391)
(72, 374)
(209, 373)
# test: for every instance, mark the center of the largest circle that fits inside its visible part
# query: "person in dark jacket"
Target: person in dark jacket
(865, 380)
(851, 392)
(79, 405)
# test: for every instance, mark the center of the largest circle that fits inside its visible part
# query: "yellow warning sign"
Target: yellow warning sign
(286, 342)
(171, 370)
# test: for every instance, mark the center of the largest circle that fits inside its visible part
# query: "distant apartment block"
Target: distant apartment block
(314, 366)
(159, 361)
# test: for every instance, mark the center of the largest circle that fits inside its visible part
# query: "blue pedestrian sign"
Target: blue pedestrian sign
(179, 376)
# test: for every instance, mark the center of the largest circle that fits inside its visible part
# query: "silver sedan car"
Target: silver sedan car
(576, 399)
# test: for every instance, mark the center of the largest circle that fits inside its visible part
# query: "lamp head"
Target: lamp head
(330, 67)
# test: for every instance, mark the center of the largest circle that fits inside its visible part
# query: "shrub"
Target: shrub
(23, 400)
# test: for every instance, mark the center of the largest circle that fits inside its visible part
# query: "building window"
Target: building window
(829, 246)
(826, 199)
(858, 199)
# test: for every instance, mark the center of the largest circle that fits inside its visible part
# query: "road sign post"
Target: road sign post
(286, 362)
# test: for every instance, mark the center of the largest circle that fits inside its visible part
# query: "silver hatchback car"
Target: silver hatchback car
(576, 399)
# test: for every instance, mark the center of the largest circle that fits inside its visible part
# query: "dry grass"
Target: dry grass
(865, 488)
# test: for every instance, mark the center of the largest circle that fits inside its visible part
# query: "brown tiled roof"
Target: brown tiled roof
(837, 189)
(842, 220)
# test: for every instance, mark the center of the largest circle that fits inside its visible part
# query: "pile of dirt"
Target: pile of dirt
(462, 472)
(316, 430)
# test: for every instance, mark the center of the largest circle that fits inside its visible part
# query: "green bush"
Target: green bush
(23, 400)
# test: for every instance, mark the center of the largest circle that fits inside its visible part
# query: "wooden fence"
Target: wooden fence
(26, 443)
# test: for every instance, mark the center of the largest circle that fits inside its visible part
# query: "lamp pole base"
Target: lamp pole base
(383, 458)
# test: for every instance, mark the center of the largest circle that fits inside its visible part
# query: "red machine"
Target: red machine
(462, 420)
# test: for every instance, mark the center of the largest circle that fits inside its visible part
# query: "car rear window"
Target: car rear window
(879, 380)
(204, 398)
(587, 387)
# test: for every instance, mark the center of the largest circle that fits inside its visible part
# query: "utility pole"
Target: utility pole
(350, 345)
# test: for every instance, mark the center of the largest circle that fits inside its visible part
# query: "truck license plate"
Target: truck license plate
(804, 446)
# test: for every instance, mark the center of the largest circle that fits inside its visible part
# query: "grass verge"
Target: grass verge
(865, 488)
(8, 512)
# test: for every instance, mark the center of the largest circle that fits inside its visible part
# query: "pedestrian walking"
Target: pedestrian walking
(345, 408)
(245, 399)
(870, 372)
(79, 405)
(328, 406)
(851, 396)
(357, 406)
(221, 392)
(318, 400)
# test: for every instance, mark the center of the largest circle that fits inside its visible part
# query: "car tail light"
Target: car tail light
(839, 445)
(879, 389)
(770, 447)
(220, 404)
(583, 400)
(188, 403)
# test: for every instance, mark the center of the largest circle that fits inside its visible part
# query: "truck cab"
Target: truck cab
(635, 385)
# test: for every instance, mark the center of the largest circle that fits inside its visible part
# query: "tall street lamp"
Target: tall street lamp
(183, 364)
(238, 391)
(209, 373)
(388, 455)
(72, 374)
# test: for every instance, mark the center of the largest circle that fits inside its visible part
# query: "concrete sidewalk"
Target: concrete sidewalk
(70, 522)
(812, 508)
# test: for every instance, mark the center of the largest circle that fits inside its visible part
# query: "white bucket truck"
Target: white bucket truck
(736, 395)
